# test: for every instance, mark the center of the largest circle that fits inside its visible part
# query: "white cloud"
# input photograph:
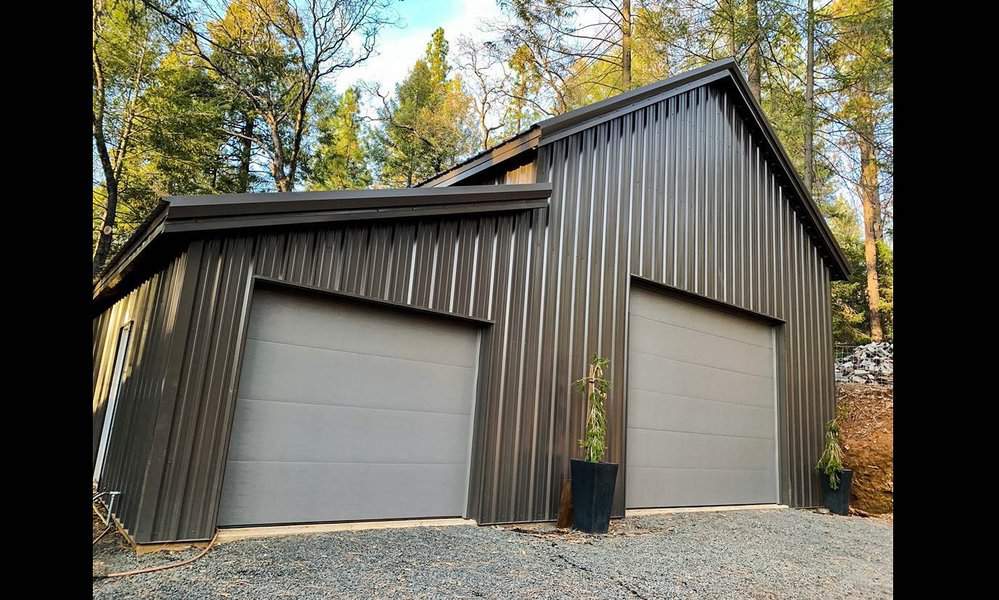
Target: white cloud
(399, 48)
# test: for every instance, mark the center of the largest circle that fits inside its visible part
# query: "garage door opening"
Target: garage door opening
(349, 412)
(702, 405)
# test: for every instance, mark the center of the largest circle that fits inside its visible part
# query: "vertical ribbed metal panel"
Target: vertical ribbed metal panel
(152, 308)
(483, 267)
(680, 192)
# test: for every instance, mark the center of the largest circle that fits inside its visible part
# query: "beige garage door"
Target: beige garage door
(701, 405)
(349, 412)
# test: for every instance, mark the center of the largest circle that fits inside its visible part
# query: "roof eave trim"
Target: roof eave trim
(524, 142)
(241, 205)
(336, 216)
(633, 99)
(183, 214)
(132, 249)
(552, 135)
(544, 132)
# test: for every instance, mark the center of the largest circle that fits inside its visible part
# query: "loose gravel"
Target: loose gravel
(739, 554)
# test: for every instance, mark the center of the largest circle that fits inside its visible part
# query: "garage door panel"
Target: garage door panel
(656, 410)
(315, 322)
(274, 431)
(349, 412)
(297, 373)
(701, 405)
(265, 493)
(696, 487)
(654, 373)
(687, 313)
(695, 346)
(656, 448)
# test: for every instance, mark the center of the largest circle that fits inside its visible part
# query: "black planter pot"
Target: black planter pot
(592, 495)
(838, 500)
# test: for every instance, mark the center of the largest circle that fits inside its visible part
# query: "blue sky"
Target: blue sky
(399, 47)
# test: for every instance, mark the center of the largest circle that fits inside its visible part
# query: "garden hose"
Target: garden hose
(113, 524)
(162, 567)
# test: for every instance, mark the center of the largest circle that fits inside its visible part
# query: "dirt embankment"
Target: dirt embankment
(866, 429)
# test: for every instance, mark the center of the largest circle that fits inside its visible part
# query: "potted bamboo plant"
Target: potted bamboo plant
(592, 479)
(836, 479)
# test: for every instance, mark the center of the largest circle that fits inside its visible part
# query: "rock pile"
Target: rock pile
(870, 364)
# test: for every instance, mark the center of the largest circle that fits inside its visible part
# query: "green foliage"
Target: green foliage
(850, 321)
(128, 49)
(591, 81)
(187, 149)
(428, 125)
(520, 111)
(831, 461)
(174, 113)
(849, 301)
(595, 387)
(886, 276)
(339, 161)
(256, 53)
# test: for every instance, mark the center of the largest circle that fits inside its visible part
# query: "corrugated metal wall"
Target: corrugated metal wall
(681, 194)
(472, 266)
(152, 307)
(677, 193)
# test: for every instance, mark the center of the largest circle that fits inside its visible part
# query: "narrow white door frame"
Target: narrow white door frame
(119, 365)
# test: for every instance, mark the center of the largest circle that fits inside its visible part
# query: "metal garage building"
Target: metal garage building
(379, 354)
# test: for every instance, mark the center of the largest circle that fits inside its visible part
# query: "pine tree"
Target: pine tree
(521, 111)
(339, 161)
(428, 124)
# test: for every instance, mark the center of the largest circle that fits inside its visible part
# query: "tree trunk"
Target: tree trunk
(870, 201)
(733, 39)
(626, 44)
(484, 127)
(296, 143)
(105, 236)
(809, 96)
(281, 181)
(878, 230)
(753, 52)
(246, 153)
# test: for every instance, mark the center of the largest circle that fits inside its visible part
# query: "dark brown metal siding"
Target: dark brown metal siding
(478, 267)
(152, 308)
(679, 193)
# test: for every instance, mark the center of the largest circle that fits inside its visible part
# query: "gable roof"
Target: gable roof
(726, 71)
(177, 216)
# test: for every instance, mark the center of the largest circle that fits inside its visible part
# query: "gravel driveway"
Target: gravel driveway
(739, 554)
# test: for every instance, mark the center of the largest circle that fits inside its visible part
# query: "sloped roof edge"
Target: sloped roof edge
(186, 214)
